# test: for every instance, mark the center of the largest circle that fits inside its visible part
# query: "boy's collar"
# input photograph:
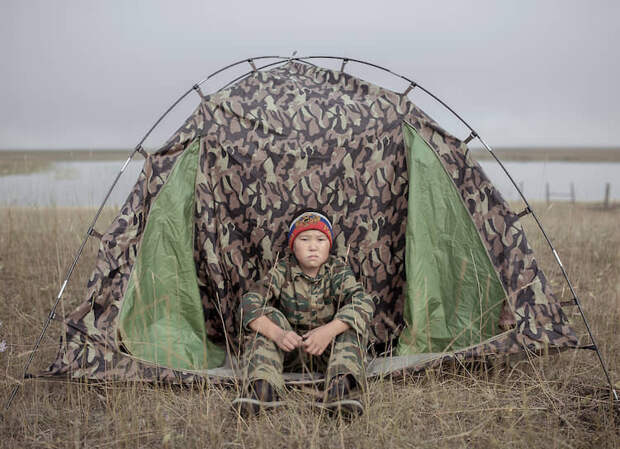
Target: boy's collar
(297, 271)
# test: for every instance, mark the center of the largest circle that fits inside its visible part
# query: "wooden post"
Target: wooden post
(547, 193)
(607, 191)
(572, 192)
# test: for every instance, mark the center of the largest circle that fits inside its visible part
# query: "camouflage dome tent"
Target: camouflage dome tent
(416, 217)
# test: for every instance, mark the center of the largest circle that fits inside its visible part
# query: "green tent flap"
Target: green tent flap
(161, 319)
(453, 296)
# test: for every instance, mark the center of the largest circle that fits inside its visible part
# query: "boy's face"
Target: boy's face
(311, 248)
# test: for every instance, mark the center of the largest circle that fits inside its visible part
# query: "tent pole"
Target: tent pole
(90, 230)
(473, 135)
(52, 313)
(559, 262)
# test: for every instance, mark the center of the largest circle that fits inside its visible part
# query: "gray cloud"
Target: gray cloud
(88, 74)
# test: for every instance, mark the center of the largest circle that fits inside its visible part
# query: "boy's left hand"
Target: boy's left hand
(317, 340)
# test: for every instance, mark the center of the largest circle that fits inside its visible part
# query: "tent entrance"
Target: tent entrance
(161, 319)
(454, 296)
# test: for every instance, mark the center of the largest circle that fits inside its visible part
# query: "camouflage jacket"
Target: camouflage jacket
(310, 302)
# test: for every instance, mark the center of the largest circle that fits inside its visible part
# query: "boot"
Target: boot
(338, 397)
(260, 395)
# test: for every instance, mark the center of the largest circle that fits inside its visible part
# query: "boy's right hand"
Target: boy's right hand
(288, 340)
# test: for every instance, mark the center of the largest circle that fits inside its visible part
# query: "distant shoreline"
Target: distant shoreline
(551, 154)
(600, 154)
(23, 162)
(31, 161)
(65, 155)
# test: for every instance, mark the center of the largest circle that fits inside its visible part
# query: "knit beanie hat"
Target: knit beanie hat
(307, 220)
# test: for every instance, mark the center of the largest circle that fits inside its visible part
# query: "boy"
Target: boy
(311, 313)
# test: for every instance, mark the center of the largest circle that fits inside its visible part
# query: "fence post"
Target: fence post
(607, 190)
(547, 193)
(572, 192)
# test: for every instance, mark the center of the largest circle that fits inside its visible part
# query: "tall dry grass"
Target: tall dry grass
(556, 401)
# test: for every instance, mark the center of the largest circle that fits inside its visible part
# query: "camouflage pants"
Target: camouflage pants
(264, 360)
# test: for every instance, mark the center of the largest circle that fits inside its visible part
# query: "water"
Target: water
(588, 178)
(85, 183)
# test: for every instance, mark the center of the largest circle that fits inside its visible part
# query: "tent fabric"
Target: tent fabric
(301, 136)
(454, 296)
(161, 320)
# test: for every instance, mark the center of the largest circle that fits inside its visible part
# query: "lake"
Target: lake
(85, 183)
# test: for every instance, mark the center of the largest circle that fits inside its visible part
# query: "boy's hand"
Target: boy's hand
(288, 340)
(317, 340)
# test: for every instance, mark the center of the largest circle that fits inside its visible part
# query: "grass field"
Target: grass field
(560, 401)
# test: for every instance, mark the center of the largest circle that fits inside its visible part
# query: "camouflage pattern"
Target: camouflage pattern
(308, 302)
(264, 360)
(303, 136)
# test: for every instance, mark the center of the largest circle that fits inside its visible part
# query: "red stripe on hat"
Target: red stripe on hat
(301, 227)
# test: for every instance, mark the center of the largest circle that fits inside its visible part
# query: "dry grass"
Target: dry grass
(556, 401)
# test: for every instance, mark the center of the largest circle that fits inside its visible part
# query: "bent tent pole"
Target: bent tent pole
(91, 231)
(473, 134)
(281, 60)
(528, 209)
(91, 228)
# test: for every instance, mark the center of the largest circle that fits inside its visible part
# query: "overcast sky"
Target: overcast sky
(97, 74)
